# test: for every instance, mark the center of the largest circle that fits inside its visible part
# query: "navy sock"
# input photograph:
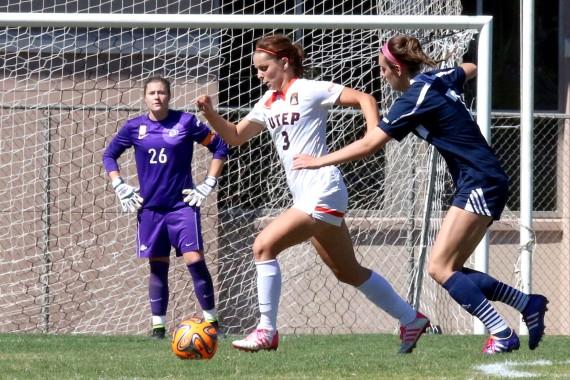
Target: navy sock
(158, 287)
(504, 334)
(495, 290)
(203, 285)
(471, 298)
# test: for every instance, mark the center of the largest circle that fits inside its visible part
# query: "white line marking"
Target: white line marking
(507, 369)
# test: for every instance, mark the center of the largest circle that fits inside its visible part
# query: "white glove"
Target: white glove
(130, 199)
(195, 197)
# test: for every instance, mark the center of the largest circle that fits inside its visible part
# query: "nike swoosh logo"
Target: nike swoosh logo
(156, 300)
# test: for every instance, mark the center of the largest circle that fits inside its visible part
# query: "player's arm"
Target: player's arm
(470, 70)
(197, 195)
(365, 102)
(231, 133)
(370, 143)
(129, 196)
(374, 138)
(215, 144)
(216, 167)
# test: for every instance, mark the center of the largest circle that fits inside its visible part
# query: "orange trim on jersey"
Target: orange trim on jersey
(279, 94)
(329, 211)
(208, 139)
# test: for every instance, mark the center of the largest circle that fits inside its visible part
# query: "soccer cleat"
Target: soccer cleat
(411, 333)
(533, 316)
(158, 332)
(260, 339)
(219, 330)
(496, 345)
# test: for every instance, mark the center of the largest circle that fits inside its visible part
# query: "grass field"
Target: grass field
(30, 356)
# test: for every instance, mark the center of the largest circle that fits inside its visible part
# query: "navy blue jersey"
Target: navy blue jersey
(163, 155)
(433, 109)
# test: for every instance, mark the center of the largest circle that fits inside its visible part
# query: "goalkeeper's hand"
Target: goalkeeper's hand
(130, 199)
(195, 197)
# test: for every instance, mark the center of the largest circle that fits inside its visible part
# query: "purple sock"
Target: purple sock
(203, 286)
(158, 287)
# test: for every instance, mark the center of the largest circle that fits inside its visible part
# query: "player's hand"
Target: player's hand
(195, 197)
(204, 104)
(130, 199)
(304, 161)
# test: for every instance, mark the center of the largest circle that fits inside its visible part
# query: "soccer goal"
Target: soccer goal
(69, 82)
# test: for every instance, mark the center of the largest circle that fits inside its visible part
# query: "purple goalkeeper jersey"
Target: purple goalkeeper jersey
(163, 155)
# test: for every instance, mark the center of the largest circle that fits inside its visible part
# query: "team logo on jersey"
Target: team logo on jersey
(294, 99)
(174, 131)
(142, 131)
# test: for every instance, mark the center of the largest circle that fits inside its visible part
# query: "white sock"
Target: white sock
(268, 293)
(381, 293)
(210, 315)
(158, 320)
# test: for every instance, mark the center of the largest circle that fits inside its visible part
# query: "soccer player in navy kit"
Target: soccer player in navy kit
(168, 204)
(431, 107)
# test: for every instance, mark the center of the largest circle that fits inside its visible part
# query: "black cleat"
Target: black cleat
(219, 330)
(533, 316)
(158, 332)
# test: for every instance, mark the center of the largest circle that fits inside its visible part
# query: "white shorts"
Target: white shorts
(324, 199)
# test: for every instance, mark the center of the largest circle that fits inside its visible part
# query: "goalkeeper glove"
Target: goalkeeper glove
(130, 199)
(195, 197)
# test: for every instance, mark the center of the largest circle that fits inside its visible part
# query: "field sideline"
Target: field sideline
(33, 356)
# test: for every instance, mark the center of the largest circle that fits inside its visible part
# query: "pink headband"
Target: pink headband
(390, 57)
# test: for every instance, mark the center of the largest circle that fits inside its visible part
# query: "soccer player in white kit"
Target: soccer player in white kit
(294, 111)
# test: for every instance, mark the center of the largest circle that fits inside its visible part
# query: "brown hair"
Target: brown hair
(162, 80)
(280, 46)
(408, 50)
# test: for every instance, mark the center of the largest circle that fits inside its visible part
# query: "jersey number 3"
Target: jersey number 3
(286, 143)
(157, 158)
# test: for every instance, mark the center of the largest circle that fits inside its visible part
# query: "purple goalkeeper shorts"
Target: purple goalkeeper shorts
(158, 231)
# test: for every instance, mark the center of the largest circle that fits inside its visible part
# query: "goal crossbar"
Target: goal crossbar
(115, 20)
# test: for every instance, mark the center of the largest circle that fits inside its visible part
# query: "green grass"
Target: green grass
(30, 356)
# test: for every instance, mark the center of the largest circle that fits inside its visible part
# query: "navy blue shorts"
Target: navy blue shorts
(487, 200)
(158, 231)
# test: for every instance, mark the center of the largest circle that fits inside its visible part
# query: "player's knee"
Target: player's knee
(262, 250)
(350, 277)
(436, 271)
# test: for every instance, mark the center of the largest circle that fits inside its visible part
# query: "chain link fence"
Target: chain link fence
(551, 206)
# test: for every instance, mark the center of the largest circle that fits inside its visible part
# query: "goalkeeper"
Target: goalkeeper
(168, 203)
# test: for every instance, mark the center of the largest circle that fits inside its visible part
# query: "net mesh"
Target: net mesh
(68, 262)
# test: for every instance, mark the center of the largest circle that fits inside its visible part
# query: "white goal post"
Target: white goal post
(51, 219)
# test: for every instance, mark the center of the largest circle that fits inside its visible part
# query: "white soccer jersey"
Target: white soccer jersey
(296, 120)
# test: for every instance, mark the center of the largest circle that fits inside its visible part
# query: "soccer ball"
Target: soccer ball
(195, 338)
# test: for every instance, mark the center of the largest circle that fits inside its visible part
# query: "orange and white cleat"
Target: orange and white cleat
(259, 339)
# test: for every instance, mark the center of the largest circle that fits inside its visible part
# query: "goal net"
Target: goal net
(68, 262)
